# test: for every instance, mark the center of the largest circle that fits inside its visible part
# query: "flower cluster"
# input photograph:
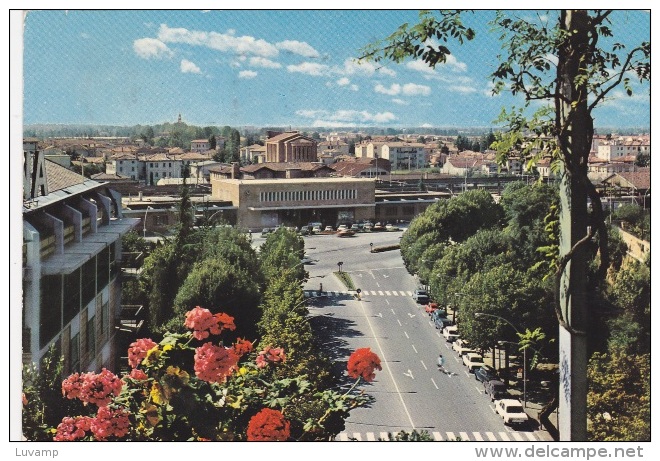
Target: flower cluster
(270, 355)
(214, 363)
(92, 388)
(71, 429)
(138, 374)
(203, 322)
(268, 425)
(242, 347)
(110, 422)
(362, 363)
(137, 351)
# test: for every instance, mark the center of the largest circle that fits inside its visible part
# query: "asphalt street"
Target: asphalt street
(409, 393)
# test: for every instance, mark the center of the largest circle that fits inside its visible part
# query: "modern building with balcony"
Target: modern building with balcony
(72, 229)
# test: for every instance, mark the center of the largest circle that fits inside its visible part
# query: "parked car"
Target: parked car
(511, 411)
(450, 333)
(391, 228)
(345, 233)
(265, 231)
(342, 227)
(495, 389)
(328, 229)
(462, 347)
(355, 228)
(441, 321)
(485, 374)
(472, 361)
(421, 296)
(316, 229)
(305, 230)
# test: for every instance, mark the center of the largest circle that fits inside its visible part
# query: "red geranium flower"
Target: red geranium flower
(362, 363)
(203, 322)
(268, 425)
(214, 363)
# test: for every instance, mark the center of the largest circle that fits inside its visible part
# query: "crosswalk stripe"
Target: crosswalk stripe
(380, 293)
(395, 293)
(387, 293)
(403, 293)
(374, 293)
(409, 293)
(438, 436)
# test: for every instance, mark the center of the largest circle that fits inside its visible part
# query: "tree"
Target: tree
(585, 73)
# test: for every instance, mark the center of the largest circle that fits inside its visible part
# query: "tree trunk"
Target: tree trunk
(574, 129)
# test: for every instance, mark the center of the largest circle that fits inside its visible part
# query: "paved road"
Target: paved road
(409, 393)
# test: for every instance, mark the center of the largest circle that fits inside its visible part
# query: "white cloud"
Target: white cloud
(247, 74)
(365, 68)
(463, 89)
(189, 67)
(354, 87)
(85, 35)
(151, 48)
(258, 61)
(393, 90)
(217, 41)
(400, 102)
(455, 64)
(420, 66)
(309, 68)
(427, 125)
(299, 48)
(345, 117)
(343, 81)
(412, 89)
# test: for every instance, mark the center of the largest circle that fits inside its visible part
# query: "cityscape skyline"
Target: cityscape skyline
(244, 68)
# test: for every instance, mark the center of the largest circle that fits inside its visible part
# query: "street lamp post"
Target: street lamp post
(481, 314)
(144, 222)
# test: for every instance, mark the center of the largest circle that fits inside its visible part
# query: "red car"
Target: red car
(431, 308)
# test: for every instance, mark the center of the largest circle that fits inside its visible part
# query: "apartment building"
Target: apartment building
(72, 229)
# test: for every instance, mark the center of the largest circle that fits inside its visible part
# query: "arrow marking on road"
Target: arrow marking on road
(409, 374)
(410, 315)
(385, 275)
(380, 314)
(359, 275)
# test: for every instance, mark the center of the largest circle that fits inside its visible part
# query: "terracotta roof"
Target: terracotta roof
(640, 179)
(110, 177)
(283, 166)
(59, 177)
(283, 136)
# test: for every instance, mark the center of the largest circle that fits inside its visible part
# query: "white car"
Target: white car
(472, 360)
(342, 227)
(450, 333)
(329, 229)
(511, 411)
(462, 347)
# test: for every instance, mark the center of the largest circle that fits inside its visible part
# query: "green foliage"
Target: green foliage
(619, 398)
(159, 281)
(43, 406)
(404, 436)
(217, 282)
(283, 250)
(346, 279)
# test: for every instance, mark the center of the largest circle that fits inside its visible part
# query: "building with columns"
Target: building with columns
(290, 147)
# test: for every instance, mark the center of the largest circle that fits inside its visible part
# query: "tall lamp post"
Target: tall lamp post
(144, 222)
(483, 314)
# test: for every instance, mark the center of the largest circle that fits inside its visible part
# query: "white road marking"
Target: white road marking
(387, 365)
(423, 364)
(517, 436)
(530, 436)
(380, 293)
(384, 436)
(371, 437)
(477, 436)
(393, 311)
(491, 436)
(409, 374)
(387, 293)
(395, 293)
(357, 436)
(410, 315)
(387, 301)
(400, 324)
(464, 436)
(437, 436)
(413, 346)
(433, 381)
(403, 293)
(406, 335)
(504, 436)
(451, 436)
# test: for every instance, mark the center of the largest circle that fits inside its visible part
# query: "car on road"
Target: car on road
(496, 390)
(391, 228)
(342, 227)
(511, 411)
(485, 374)
(345, 233)
(421, 296)
(328, 229)
(307, 260)
(462, 347)
(316, 229)
(473, 360)
(355, 228)
(450, 333)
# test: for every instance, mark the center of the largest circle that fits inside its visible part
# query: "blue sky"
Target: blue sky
(268, 68)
